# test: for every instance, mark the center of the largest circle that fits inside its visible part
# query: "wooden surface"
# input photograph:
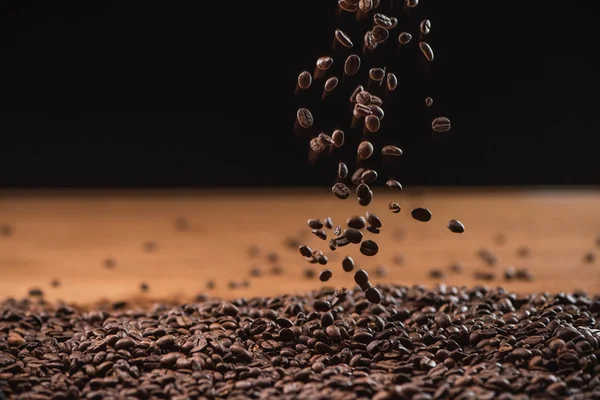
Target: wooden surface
(68, 236)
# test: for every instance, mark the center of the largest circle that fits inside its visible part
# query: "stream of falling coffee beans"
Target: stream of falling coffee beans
(367, 105)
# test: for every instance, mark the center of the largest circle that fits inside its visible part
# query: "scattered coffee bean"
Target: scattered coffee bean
(382, 20)
(361, 111)
(484, 276)
(369, 176)
(305, 251)
(373, 220)
(304, 118)
(356, 222)
(317, 145)
(328, 223)
(337, 231)
(381, 271)
(365, 150)
(324, 63)
(331, 84)
(377, 74)
(55, 283)
(357, 175)
(437, 274)
(352, 65)
(425, 26)
(144, 287)
(353, 235)
(341, 293)
(272, 257)
(309, 273)
(366, 200)
(369, 41)
(456, 267)
(421, 214)
(376, 100)
(380, 34)
(36, 292)
(365, 5)
(325, 139)
(322, 260)
(411, 3)
(276, 269)
(394, 22)
(340, 191)
(321, 234)
(361, 277)
(338, 138)
(255, 272)
(523, 252)
(362, 190)
(325, 275)
(363, 98)
(392, 82)
(373, 230)
(210, 285)
(344, 5)
(304, 80)
(321, 305)
(390, 150)
(348, 264)
(426, 50)
(356, 91)
(455, 226)
(441, 124)
(428, 101)
(377, 111)
(393, 184)
(369, 248)
(110, 263)
(404, 38)
(589, 258)
(372, 123)
(524, 274)
(314, 223)
(343, 39)
(394, 207)
(342, 170)
(487, 256)
(398, 259)
(373, 295)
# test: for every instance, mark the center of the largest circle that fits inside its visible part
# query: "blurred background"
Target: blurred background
(156, 94)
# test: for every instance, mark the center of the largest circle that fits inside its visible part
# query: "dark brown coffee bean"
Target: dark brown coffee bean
(356, 176)
(394, 22)
(369, 176)
(426, 50)
(356, 222)
(421, 214)
(340, 191)
(484, 276)
(361, 111)
(305, 251)
(309, 273)
(352, 65)
(324, 63)
(304, 80)
(36, 292)
(363, 190)
(356, 91)
(314, 223)
(382, 20)
(369, 41)
(373, 220)
(369, 248)
(365, 5)
(391, 81)
(110, 263)
(373, 230)
(344, 5)
(325, 139)
(429, 102)
(380, 34)
(229, 309)
(322, 260)
(365, 201)
(373, 295)
(321, 234)
(144, 287)
(316, 145)
(343, 39)
(589, 258)
(394, 207)
(348, 264)
(411, 3)
(331, 84)
(392, 184)
(404, 38)
(437, 273)
(365, 150)
(305, 118)
(425, 27)
(338, 138)
(372, 123)
(390, 150)
(255, 272)
(55, 283)
(363, 97)
(341, 293)
(328, 223)
(210, 285)
(325, 275)
(353, 235)
(441, 124)
(377, 74)
(456, 226)
(322, 305)
(377, 111)
(342, 170)
(361, 277)
(457, 267)
(337, 231)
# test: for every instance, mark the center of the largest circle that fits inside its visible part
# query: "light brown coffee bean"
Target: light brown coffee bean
(426, 50)
(305, 118)
(343, 39)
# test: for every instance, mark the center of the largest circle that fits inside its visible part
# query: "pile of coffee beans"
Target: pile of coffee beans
(447, 343)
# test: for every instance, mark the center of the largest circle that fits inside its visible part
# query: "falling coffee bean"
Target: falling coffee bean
(346, 6)
(348, 264)
(356, 91)
(340, 191)
(356, 176)
(342, 170)
(365, 201)
(325, 275)
(369, 41)
(412, 3)
(373, 295)
(362, 190)
(338, 138)
(373, 220)
(369, 248)
(382, 20)
(425, 26)
(426, 50)
(377, 111)
(363, 97)
(393, 184)
(392, 82)
(369, 176)
(343, 39)
(365, 150)
(373, 230)
(361, 277)
(380, 34)
(356, 222)
(353, 235)
(305, 251)
(421, 214)
(144, 287)
(304, 80)
(328, 223)
(456, 226)
(372, 123)
(337, 231)
(390, 150)
(361, 111)
(352, 65)
(394, 207)
(324, 63)
(404, 38)
(377, 74)
(331, 84)
(316, 145)
(429, 102)
(315, 224)
(305, 118)
(440, 124)
(321, 234)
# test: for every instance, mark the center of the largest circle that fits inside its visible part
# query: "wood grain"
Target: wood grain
(67, 235)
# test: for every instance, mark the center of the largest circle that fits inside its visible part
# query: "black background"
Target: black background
(135, 93)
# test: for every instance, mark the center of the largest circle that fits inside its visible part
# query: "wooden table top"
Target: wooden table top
(68, 235)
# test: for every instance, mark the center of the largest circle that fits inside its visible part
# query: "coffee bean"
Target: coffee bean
(276, 270)
(144, 287)
(372, 123)
(55, 283)
(361, 277)
(441, 124)
(340, 191)
(365, 5)
(392, 184)
(314, 223)
(328, 223)
(523, 252)
(437, 273)
(373, 220)
(425, 26)
(376, 100)
(337, 231)
(325, 275)
(589, 258)
(353, 235)
(382, 20)
(377, 74)
(304, 80)
(322, 260)
(325, 139)
(524, 274)
(394, 22)
(305, 118)
(369, 176)
(342, 170)
(322, 305)
(316, 145)
(392, 82)
(210, 285)
(352, 65)
(381, 271)
(6, 230)
(338, 138)
(229, 309)
(429, 102)
(365, 150)
(348, 264)
(398, 259)
(363, 97)
(255, 272)
(484, 276)
(362, 190)
(331, 84)
(110, 263)
(421, 214)
(365, 201)
(369, 248)
(390, 150)
(356, 222)
(305, 251)
(377, 111)
(411, 3)
(373, 230)
(380, 34)
(343, 39)
(404, 38)
(369, 41)
(456, 226)
(426, 50)
(356, 176)
(457, 267)
(321, 234)
(36, 292)
(361, 110)
(394, 207)
(373, 295)
(344, 5)
(356, 91)
(309, 273)
(324, 63)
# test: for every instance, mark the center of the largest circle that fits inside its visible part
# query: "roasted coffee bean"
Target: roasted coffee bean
(110, 263)
(314, 223)
(328, 223)
(523, 252)
(380, 34)
(363, 190)
(255, 272)
(325, 139)
(377, 74)
(309, 273)
(428, 101)
(55, 283)
(373, 295)
(369, 248)
(144, 287)
(589, 258)
(36, 292)
(356, 91)
(421, 214)
(342, 170)
(325, 275)
(392, 82)
(404, 38)
(365, 5)
(352, 65)
(372, 123)
(361, 110)
(353, 235)
(382, 20)
(373, 220)
(340, 191)
(411, 3)
(369, 176)
(324, 63)
(390, 150)
(338, 138)
(361, 277)
(377, 111)
(305, 118)
(210, 285)
(484, 276)
(341, 293)
(343, 39)
(441, 124)
(337, 231)
(457, 267)
(305, 251)
(344, 5)
(394, 22)
(356, 176)
(304, 80)
(436, 273)
(456, 226)
(365, 150)
(348, 264)
(321, 234)
(322, 305)
(331, 84)
(425, 26)
(363, 97)
(373, 230)
(356, 222)
(392, 184)
(322, 260)
(426, 50)
(394, 207)
(369, 41)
